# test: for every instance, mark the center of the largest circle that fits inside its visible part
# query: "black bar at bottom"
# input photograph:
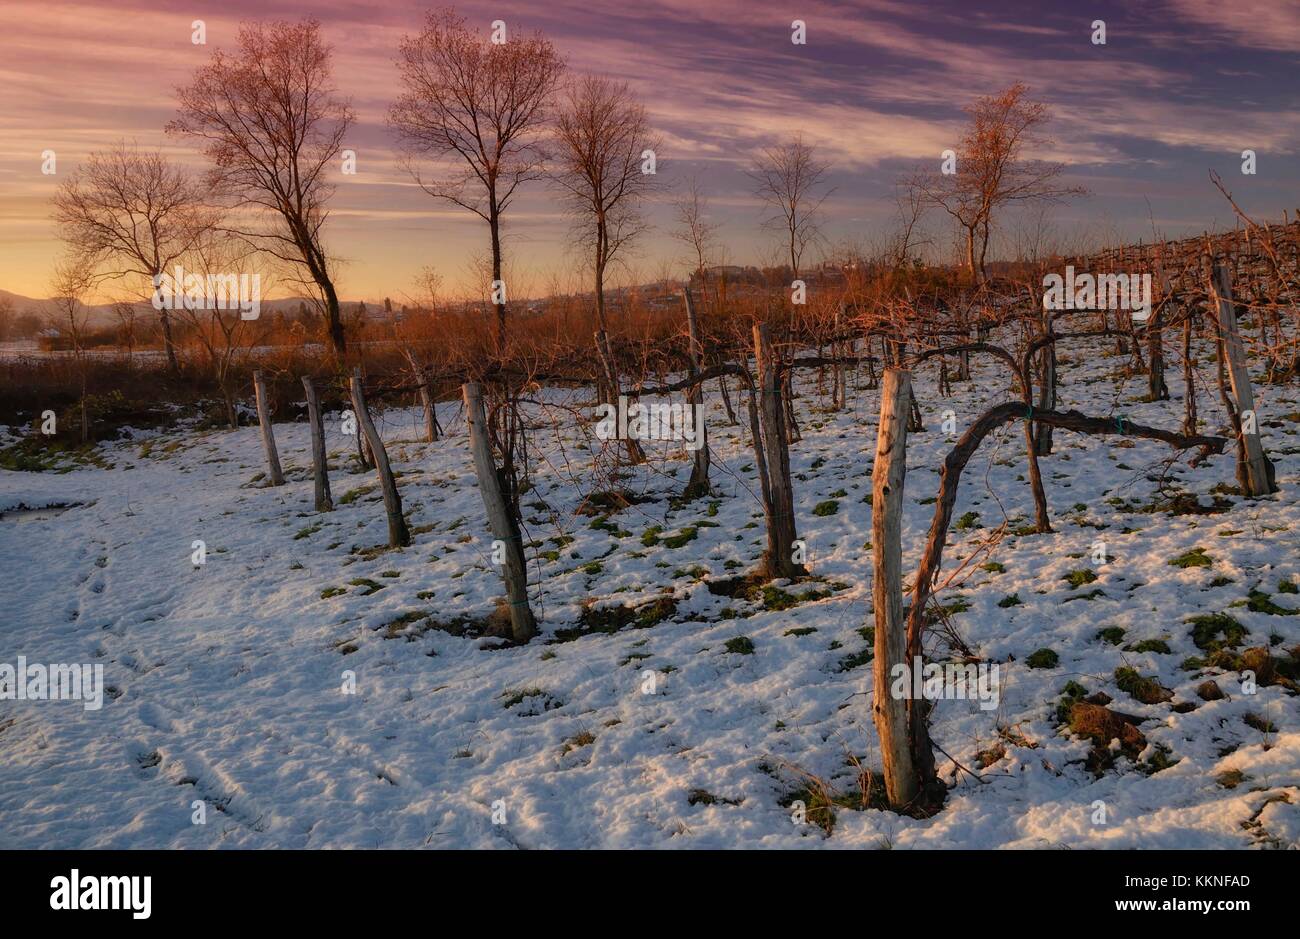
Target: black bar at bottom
(333, 889)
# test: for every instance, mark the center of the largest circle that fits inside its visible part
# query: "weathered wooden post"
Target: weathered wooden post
(1258, 476)
(430, 408)
(501, 520)
(1190, 420)
(398, 535)
(887, 479)
(268, 435)
(699, 483)
(319, 464)
(1157, 390)
(779, 559)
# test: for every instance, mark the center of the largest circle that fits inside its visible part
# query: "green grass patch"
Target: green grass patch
(1078, 578)
(1043, 658)
(740, 645)
(372, 586)
(1214, 631)
(1193, 558)
(1260, 602)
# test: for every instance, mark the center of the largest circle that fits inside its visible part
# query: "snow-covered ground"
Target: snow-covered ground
(227, 678)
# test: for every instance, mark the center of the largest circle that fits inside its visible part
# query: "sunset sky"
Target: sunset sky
(1182, 86)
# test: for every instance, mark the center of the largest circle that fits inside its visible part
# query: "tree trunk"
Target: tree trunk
(790, 423)
(887, 480)
(398, 535)
(85, 416)
(1042, 521)
(635, 454)
(778, 560)
(501, 519)
(963, 357)
(268, 435)
(494, 225)
(914, 422)
(1157, 389)
(319, 461)
(600, 276)
(1137, 365)
(168, 344)
(334, 317)
(726, 400)
(232, 416)
(1259, 476)
(1189, 377)
(984, 249)
(1047, 390)
(699, 484)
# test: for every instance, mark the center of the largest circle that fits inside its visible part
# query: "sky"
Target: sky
(1180, 87)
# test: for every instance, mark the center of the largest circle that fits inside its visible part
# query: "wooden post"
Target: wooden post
(430, 413)
(887, 479)
(1189, 376)
(1157, 390)
(779, 557)
(1259, 470)
(398, 535)
(363, 461)
(699, 483)
(501, 520)
(268, 435)
(319, 464)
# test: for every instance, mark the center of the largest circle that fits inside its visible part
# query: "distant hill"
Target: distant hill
(103, 312)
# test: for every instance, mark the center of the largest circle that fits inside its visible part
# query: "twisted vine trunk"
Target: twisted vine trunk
(949, 478)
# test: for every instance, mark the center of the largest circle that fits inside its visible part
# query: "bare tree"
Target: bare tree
(790, 180)
(991, 171)
(412, 332)
(910, 205)
(136, 214)
(695, 231)
(126, 313)
(602, 137)
(273, 125)
(476, 109)
(73, 279)
(222, 334)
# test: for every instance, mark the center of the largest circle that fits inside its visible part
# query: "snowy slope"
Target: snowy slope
(227, 677)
